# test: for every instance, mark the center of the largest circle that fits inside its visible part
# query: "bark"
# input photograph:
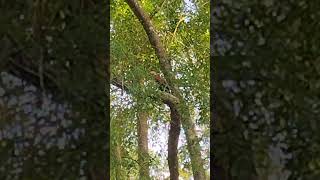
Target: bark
(187, 123)
(173, 140)
(143, 156)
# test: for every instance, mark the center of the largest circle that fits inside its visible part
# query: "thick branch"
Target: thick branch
(152, 35)
(169, 98)
(166, 98)
(173, 140)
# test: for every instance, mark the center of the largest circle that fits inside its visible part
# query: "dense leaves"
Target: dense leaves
(59, 47)
(270, 47)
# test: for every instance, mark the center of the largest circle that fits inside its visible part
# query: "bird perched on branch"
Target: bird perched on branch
(163, 85)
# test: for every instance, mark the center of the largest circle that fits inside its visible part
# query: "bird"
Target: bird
(163, 85)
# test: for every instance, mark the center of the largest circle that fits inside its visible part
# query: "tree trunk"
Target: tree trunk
(192, 143)
(143, 156)
(173, 140)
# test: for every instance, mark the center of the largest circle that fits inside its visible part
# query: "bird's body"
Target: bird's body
(161, 81)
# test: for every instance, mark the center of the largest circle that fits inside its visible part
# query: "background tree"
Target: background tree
(45, 44)
(266, 91)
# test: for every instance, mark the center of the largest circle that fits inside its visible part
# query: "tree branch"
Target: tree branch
(118, 83)
(152, 35)
(165, 97)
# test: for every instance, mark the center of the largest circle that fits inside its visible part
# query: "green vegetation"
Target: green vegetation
(60, 47)
(273, 57)
(170, 38)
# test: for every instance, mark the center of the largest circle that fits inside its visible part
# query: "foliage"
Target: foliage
(272, 47)
(58, 32)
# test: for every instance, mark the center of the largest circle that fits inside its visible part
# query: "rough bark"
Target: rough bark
(143, 156)
(187, 123)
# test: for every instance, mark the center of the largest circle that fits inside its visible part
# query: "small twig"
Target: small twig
(158, 9)
(175, 30)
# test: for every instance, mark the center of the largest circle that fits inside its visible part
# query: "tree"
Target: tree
(152, 52)
(46, 45)
(193, 146)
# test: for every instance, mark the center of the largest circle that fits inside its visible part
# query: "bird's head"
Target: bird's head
(153, 73)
